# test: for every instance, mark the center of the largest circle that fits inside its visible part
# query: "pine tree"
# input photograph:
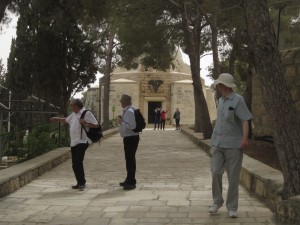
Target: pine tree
(53, 56)
(276, 94)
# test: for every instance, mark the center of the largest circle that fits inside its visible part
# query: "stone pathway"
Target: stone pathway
(174, 187)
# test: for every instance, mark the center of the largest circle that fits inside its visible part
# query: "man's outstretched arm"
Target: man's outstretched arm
(58, 119)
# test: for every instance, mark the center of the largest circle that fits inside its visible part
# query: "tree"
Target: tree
(276, 94)
(102, 28)
(2, 69)
(211, 10)
(192, 25)
(107, 70)
(286, 21)
(53, 56)
(161, 26)
(3, 5)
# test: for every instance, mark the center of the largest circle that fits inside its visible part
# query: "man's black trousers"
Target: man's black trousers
(78, 152)
(130, 147)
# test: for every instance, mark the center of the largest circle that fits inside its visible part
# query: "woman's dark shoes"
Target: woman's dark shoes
(129, 187)
(75, 186)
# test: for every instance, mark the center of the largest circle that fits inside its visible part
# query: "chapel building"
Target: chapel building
(152, 88)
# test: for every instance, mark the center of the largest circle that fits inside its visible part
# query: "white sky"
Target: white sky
(9, 31)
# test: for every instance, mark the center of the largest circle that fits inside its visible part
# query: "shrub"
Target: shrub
(39, 141)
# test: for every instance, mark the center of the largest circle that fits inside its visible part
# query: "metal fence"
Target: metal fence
(31, 141)
(28, 132)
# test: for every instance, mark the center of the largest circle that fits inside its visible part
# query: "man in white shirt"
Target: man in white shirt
(79, 139)
(130, 140)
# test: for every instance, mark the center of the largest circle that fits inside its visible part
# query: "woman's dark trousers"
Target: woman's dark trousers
(162, 124)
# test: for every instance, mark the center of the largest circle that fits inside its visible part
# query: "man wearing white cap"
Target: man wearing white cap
(229, 138)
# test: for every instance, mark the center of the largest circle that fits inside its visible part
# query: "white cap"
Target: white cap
(226, 79)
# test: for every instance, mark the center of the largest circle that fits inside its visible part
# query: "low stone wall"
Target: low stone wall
(17, 176)
(108, 133)
(262, 180)
(288, 211)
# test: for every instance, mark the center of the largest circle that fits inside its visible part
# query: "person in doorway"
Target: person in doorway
(130, 140)
(157, 118)
(177, 118)
(79, 139)
(229, 138)
(163, 117)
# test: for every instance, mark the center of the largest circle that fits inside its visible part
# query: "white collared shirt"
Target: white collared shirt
(75, 127)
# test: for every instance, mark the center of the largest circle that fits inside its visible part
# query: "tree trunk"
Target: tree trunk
(234, 50)
(192, 38)
(215, 50)
(202, 118)
(248, 97)
(106, 85)
(100, 104)
(213, 22)
(3, 6)
(276, 94)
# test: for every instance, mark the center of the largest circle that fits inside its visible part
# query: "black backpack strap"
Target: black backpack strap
(82, 117)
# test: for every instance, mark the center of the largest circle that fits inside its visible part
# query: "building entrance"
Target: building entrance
(151, 107)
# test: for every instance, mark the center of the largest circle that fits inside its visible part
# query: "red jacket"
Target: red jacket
(163, 115)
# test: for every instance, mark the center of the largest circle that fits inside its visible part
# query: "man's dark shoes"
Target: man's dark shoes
(75, 186)
(129, 187)
(81, 187)
(122, 184)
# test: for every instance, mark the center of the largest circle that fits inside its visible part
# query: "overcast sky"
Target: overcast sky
(9, 31)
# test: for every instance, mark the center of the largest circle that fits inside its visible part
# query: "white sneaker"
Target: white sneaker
(232, 214)
(214, 208)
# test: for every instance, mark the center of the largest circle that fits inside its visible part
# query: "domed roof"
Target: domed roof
(177, 65)
(123, 81)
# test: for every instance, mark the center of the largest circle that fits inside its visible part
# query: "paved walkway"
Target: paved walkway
(174, 187)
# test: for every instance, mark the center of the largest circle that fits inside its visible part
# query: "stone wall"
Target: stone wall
(146, 91)
(182, 93)
(119, 87)
(291, 66)
(173, 89)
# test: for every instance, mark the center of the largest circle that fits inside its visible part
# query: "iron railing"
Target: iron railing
(31, 141)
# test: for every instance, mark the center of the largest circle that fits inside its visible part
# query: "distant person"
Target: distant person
(157, 118)
(229, 138)
(79, 139)
(163, 117)
(177, 118)
(130, 140)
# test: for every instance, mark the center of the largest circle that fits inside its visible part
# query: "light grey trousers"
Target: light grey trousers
(231, 159)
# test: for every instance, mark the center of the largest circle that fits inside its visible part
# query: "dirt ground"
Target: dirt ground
(264, 152)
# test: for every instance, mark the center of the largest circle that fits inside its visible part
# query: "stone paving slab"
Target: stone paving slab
(174, 187)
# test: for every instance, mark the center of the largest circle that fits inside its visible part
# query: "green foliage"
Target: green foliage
(289, 22)
(113, 123)
(52, 57)
(13, 144)
(39, 141)
(147, 34)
